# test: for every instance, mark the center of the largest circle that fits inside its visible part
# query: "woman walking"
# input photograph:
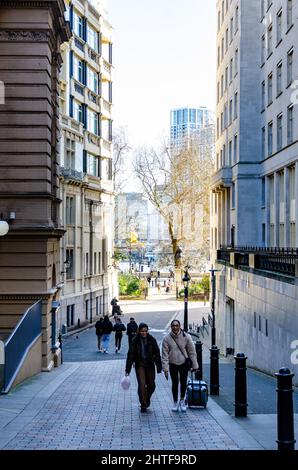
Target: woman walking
(144, 353)
(118, 328)
(177, 352)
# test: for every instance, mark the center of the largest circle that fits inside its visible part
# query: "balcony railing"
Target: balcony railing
(277, 260)
(71, 174)
(79, 44)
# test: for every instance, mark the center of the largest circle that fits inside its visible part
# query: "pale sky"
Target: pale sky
(164, 57)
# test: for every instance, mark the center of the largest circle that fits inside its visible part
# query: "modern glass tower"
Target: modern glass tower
(186, 121)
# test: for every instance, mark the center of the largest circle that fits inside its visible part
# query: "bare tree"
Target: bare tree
(121, 150)
(177, 184)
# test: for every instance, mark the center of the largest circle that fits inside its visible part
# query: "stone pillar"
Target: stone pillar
(267, 206)
(276, 209)
(30, 38)
(287, 206)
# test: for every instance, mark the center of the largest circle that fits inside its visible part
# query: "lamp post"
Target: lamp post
(213, 330)
(214, 351)
(186, 278)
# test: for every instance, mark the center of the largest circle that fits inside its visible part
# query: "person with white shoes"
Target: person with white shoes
(178, 356)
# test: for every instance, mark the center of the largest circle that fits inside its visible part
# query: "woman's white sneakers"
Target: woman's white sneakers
(179, 405)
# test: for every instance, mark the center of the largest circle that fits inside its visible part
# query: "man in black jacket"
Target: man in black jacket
(144, 353)
(131, 331)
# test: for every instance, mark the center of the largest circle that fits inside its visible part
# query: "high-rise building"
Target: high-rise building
(86, 165)
(254, 203)
(185, 122)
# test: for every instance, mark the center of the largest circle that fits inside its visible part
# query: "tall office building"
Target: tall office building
(254, 204)
(86, 165)
(185, 122)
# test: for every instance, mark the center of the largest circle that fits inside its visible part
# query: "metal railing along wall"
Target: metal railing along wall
(19, 343)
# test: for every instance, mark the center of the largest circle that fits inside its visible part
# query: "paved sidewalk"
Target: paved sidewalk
(82, 406)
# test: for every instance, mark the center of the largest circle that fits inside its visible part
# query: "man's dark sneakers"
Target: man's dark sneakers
(143, 409)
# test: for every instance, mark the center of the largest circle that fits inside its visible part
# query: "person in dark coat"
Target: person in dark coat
(132, 329)
(118, 328)
(107, 328)
(99, 332)
(145, 355)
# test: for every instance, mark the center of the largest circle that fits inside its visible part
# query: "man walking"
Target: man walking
(99, 332)
(144, 353)
(118, 328)
(131, 331)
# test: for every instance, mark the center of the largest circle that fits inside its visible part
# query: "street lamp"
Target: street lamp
(4, 227)
(186, 278)
(214, 351)
(213, 279)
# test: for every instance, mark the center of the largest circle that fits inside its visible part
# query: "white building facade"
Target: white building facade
(254, 201)
(86, 166)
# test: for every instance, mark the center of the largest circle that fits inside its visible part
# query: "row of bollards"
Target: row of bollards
(285, 409)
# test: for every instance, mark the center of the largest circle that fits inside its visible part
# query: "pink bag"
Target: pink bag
(125, 382)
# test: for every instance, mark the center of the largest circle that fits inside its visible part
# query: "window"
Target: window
(226, 78)
(70, 310)
(262, 9)
(87, 309)
(70, 155)
(237, 19)
(86, 264)
(92, 80)
(269, 44)
(236, 61)
(255, 320)
(95, 263)
(263, 191)
(221, 123)
(263, 49)
(222, 11)
(236, 105)
(279, 27)
(263, 142)
(218, 92)
(263, 234)
(92, 164)
(269, 3)
(230, 152)
(289, 13)
(235, 148)
(218, 21)
(231, 112)
(227, 39)
(270, 88)
(78, 111)
(78, 69)
(266, 327)
(231, 70)
(224, 156)
(231, 29)
(290, 125)
(92, 121)
(279, 79)
(260, 323)
(218, 56)
(279, 131)
(222, 85)
(69, 259)
(233, 196)
(222, 48)
(270, 138)
(70, 211)
(99, 262)
(92, 38)
(263, 98)
(78, 25)
(290, 67)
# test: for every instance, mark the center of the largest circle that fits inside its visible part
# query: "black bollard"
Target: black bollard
(200, 360)
(240, 386)
(60, 342)
(285, 411)
(214, 371)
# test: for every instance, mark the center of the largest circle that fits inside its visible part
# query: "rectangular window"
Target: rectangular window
(92, 38)
(270, 138)
(92, 80)
(279, 27)
(99, 262)
(260, 323)
(236, 61)
(92, 122)
(233, 196)
(266, 327)
(70, 309)
(289, 13)
(263, 234)
(231, 70)
(226, 78)
(235, 148)
(69, 264)
(78, 25)
(230, 152)
(231, 112)
(279, 79)
(222, 48)
(290, 125)
(290, 67)
(218, 92)
(222, 86)
(218, 21)
(227, 39)
(269, 40)
(255, 320)
(262, 9)
(237, 19)
(78, 69)
(218, 56)
(70, 211)
(270, 88)
(263, 98)
(87, 309)
(279, 131)
(231, 29)
(92, 164)
(263, 49)
(263, 142)
(78, 113)
(263, 191)
(86, 264)
(236, 105)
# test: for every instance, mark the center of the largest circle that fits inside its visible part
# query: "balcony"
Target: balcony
(222, 178)
(71, 174)
(106, 70)
(105, 108)
(105, 148)
(72, 124)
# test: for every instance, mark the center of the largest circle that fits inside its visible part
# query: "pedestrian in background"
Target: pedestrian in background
(178, 351)
(145, 355)
(118, 328)
(131, 331)
(99, 332)
(107, 328)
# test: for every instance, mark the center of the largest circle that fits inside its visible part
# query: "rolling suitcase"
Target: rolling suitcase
(196, 393)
